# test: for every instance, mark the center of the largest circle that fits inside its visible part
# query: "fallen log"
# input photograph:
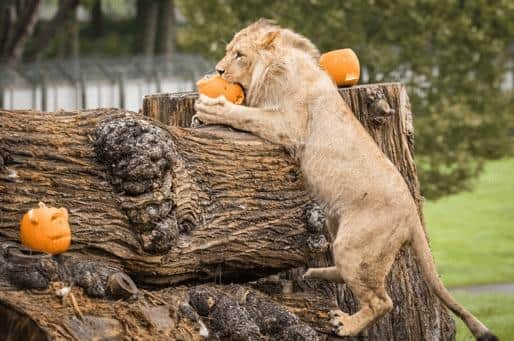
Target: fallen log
(225, 204)
(232, 312)
(244, 216)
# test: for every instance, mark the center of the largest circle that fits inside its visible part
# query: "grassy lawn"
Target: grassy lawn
(472, 238)
(472, 233)
(496, 311)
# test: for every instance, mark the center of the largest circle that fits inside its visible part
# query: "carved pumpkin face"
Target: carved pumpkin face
(46, 229)
(214, 86)
(342, 66)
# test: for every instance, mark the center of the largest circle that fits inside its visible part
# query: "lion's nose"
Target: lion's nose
(220, 71)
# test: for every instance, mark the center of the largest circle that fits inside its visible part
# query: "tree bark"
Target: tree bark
(385, 112)
(230, 312)
(237, 202)
(166, 33)
(240, 210)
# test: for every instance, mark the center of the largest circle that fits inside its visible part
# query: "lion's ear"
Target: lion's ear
(269, 39)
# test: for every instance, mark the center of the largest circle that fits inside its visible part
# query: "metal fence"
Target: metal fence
(121, 82)
(93, 82)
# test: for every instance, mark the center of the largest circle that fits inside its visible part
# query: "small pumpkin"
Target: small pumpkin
(342, 66)
(46, 229)
(215, 86)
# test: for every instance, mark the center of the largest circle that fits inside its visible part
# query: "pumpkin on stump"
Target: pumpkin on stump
(342, 66)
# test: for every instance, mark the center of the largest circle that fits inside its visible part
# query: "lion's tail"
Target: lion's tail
(426, 262)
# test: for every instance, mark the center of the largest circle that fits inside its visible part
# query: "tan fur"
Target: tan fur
(292, 102)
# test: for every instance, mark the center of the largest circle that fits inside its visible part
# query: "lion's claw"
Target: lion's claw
(335, 313)
(195, 122)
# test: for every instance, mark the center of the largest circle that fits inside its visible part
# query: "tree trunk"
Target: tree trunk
(50, 29)
(385, 112)
(17, 21)
(166, 33)
(220, 207)
(97, 19)
(147, 15)
(177, 205)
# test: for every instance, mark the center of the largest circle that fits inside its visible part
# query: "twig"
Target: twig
(76, 308)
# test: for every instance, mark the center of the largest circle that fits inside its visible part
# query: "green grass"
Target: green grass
(472, 233)
(495, 311)
(472, 238)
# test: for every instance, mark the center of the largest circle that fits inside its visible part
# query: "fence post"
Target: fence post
(121, 84)
(83, 98)
(44, 93)
(157, 81)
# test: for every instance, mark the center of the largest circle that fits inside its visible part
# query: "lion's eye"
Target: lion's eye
(239, 55)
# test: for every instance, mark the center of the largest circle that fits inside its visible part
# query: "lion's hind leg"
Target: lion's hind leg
(373, 305)
(363, 257)
(330, 273)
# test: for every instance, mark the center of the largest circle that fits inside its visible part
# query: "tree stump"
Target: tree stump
(173, 206)
(385, 112)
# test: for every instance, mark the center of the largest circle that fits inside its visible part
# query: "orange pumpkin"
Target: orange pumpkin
(214, 86)
(46, 229)
(342, 65)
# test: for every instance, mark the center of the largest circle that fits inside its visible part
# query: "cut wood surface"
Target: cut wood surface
(231, 206)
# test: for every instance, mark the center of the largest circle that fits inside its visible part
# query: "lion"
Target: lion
(370, 211)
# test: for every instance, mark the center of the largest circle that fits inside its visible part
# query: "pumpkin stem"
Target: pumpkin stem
(42, 204)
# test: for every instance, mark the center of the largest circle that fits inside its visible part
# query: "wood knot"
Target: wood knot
(379, 109)
(316, 241)
(140, 156)
(5, 159)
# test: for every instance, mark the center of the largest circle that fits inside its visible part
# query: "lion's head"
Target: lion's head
(259, 52)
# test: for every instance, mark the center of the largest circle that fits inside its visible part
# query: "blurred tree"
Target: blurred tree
(17, 20)
(157, 19)
(63, 22)
(167, 28)
(146, 18)
(451, 54)
(97, 19)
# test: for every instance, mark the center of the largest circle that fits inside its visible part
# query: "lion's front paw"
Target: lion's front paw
(307, 274)
(196, 122)
(212, 110)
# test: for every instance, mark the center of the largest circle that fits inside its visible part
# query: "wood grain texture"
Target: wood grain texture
(242, 195)
(242, 203)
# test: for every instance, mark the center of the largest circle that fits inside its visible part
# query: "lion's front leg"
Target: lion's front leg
(271, 125)
(214, 110)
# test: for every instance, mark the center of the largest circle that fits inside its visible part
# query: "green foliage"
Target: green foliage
(119, 39)
(451, 54)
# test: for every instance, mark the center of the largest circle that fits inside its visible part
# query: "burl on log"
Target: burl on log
(172, 205)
